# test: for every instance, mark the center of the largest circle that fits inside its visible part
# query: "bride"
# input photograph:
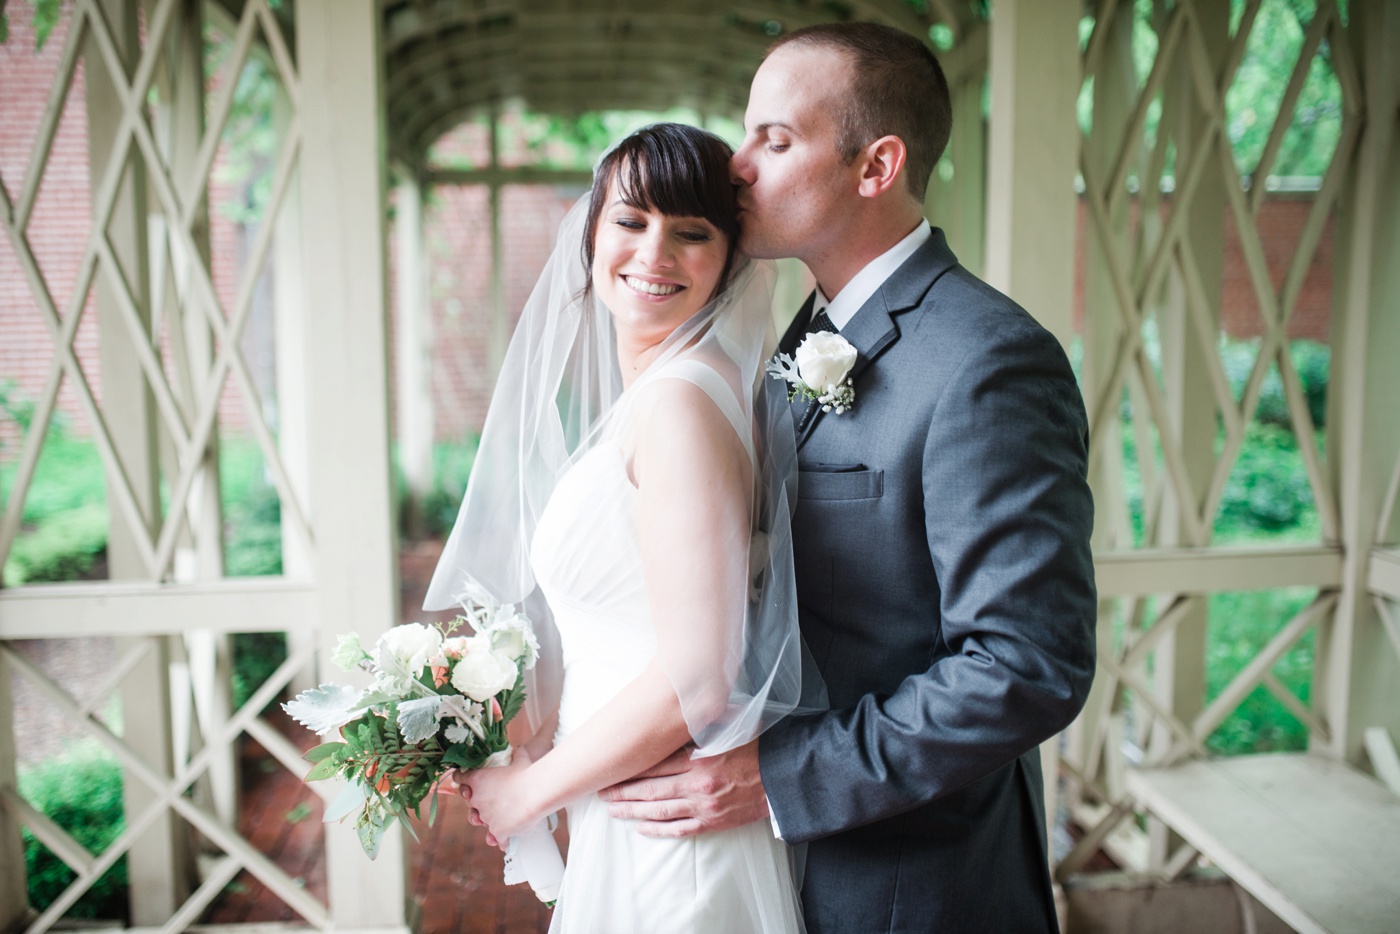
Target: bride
(632, 490)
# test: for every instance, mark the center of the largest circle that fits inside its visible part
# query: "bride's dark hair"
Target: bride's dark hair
(679, 170)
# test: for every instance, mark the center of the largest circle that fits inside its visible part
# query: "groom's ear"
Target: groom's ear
(882, 166)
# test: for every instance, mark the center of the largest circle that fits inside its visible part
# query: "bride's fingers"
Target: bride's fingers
(474, 818)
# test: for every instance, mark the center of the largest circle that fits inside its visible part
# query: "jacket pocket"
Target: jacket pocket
(839, 483)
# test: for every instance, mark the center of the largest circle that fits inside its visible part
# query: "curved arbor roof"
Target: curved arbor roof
(445, 59)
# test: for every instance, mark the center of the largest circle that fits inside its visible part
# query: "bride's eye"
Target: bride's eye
(696, 236)
(629, 223)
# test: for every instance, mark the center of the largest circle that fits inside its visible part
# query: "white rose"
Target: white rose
(483, 673)
(824, 359)
(410, 646)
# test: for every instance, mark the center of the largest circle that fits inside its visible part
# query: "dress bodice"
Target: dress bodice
(587, 560)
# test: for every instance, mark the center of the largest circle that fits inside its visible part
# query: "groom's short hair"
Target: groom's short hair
(898, 89)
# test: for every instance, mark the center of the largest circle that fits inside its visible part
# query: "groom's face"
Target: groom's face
(793, 187)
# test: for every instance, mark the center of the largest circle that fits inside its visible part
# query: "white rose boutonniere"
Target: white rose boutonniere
(820, 372)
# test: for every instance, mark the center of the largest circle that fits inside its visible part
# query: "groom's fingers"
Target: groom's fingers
(676, 828)
(674, 764)
(645, 789)
(652, 811)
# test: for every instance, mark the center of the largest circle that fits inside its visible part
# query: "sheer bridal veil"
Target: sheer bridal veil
(559, 386)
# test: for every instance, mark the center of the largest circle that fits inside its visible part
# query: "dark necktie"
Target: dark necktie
(822, 322)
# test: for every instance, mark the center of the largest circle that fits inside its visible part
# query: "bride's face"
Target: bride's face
(651, 270)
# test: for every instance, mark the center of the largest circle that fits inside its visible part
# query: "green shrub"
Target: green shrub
(1268, 490)
(63, 548)
(452, 465)
(1313, 363)
(81, 791)
(15, 406)
(252, 511)
(256, 656)
(1241, 624)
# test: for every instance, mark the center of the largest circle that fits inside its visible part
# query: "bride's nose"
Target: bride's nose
(655, 250)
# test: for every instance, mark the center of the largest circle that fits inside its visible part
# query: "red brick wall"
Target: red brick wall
(1280, 225)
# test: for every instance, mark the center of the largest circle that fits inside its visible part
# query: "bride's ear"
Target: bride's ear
(881, 164)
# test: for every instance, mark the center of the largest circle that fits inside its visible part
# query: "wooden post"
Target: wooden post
(961, 205)
(14, 896)
(207, 656)
(1033, 151)
(500, 315)
(413, 346)
(1179, 664)
(1357, 670)
(157, 864)
(1114, 86)
(346, 377)
(290, 298)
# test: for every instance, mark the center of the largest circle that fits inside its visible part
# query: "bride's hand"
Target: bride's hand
(500, 799)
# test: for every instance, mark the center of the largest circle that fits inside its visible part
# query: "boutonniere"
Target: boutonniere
(821, 371)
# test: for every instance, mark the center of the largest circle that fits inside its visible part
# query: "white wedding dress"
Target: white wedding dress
(587, 560)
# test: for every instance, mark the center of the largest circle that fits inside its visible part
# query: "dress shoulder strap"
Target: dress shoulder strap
(718, 389)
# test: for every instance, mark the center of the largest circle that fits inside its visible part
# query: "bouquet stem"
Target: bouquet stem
(533, 856)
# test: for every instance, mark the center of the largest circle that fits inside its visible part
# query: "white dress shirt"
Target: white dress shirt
(867, 282)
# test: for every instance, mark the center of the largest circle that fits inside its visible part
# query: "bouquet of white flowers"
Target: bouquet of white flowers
(439, 701)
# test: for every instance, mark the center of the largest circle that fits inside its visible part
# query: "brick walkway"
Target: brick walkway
(455, 879)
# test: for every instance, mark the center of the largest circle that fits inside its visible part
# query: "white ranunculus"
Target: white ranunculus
(483, 673)
(514, 635)
(824, 359)
(409, 646)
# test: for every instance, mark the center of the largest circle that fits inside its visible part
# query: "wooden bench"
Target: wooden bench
(1314, 839)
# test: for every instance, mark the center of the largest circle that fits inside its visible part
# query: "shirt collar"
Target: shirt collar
(867, 282)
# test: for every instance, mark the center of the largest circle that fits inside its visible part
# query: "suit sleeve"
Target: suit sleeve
(1008, 517)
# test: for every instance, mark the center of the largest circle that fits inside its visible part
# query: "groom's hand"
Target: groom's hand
(681, 796)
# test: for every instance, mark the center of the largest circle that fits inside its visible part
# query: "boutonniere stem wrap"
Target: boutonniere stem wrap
(821, 371)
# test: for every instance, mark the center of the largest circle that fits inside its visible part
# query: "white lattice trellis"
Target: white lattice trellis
(165, 612)
(1149, 271)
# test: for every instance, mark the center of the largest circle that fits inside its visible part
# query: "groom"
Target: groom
(941, 532)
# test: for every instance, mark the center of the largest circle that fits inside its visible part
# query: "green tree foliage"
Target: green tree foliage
(1252, 102)
(81, 791)
(44, 15)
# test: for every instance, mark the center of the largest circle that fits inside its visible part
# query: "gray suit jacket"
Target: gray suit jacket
(946, 592)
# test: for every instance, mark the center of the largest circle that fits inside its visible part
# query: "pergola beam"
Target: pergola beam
(1384, 576)
(445, 60)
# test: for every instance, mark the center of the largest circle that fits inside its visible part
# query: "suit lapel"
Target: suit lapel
(873, 328)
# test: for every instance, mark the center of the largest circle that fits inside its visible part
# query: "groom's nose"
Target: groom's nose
(741, 166)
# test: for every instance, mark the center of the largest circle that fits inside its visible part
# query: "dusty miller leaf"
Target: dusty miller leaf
(418, 719)
(324, 708)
